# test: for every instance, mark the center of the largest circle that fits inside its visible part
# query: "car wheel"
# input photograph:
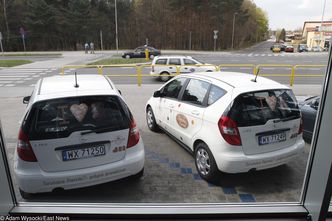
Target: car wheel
(151, 120)
(127, 56)
(151, 56)
(164, 76)
(205, 163)
(26, 195)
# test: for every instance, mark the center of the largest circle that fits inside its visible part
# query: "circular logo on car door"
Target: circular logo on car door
(182, 120)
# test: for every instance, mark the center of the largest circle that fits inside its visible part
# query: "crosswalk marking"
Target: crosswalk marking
(11, 77)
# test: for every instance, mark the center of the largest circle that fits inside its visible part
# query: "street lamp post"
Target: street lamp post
(233, 30)
(116, 28)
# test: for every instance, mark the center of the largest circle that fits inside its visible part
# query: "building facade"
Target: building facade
(317, 33)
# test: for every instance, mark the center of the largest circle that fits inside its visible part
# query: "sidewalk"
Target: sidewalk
(68, 57)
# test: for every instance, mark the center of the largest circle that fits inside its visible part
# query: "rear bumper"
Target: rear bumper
(34, 180)
(240, 163)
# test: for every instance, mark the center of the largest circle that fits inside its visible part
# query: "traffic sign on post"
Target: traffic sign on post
(215, 37)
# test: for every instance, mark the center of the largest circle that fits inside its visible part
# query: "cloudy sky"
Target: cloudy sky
(291, 14)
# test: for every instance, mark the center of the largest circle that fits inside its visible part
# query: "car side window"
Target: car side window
(174, 61)
(139, 49)
(161, 61)
(215, 94)
(195, 91)
(173, 88)
(189, 61)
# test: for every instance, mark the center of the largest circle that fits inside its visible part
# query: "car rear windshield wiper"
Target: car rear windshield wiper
(97, 130)
(286, 119)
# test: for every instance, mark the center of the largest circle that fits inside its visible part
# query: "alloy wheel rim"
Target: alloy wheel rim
(150, 118)
(203, 161)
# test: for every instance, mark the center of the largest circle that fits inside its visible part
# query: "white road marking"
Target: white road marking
(5, 82)
(9, 85)
(32, 85)
(245, 68)
(48, 71)
(10, 79)
(1, 85)
(42, 73)
(28, 79)
(53, 69)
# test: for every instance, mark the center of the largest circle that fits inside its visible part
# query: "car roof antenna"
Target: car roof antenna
(76, 85)
(255, 80)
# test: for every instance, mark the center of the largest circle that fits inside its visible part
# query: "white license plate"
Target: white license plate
(83, 153)
(273, 138)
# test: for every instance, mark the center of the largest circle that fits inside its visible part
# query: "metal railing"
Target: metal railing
(255, 69)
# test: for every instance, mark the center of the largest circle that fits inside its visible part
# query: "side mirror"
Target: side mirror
(158, 94)
(26, 99)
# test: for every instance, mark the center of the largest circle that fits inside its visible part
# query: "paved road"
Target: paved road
(27, 76)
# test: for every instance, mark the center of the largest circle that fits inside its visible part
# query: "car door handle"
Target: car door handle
(195, 112)
(186, 68)
(170, 67)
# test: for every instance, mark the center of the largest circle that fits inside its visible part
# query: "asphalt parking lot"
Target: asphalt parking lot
(170, 173)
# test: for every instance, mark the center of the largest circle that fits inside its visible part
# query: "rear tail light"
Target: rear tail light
(24, 149)
(301, 127)
(133, 134)
(229, 131)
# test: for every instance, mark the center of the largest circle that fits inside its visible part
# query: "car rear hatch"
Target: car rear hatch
(267, 120)
(78, 132)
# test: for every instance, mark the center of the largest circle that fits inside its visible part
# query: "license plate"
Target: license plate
(83, 153)
(273, 138)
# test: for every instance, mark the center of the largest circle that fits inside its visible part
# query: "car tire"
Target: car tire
(127, 56)
(164, 76)
(205, 163)
(151, 120)
(151, 56)
(26, 195)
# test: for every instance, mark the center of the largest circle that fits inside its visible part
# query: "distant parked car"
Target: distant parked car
(283, 47)
(289, 48)
(302, 48)
(164, 66)
(309, 108)
(316, 49)
(276, 49)
(139, 52)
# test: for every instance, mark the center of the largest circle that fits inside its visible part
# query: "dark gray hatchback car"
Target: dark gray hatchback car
(309, 108)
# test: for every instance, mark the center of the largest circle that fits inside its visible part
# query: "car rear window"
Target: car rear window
(256, 108)
(58, 118)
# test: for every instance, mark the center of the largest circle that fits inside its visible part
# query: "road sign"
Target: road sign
(215, 32)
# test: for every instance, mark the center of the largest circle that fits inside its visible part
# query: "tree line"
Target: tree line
(165, 24)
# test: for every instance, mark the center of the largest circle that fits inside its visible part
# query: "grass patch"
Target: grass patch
(119, 61)
(33, 54)
(12, 63)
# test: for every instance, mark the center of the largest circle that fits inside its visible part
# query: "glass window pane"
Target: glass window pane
(195, 91)
(173, 89)
(175, 61)
(215, 94)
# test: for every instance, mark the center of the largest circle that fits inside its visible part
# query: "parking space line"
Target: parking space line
(9, 85)
(5, 82)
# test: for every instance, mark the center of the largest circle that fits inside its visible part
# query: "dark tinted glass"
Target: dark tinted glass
(58, 118)
(195, 91)
(215, 94)
(161, 61)
(173, 88)
(189, 61)
(256, 108)
(175, 61)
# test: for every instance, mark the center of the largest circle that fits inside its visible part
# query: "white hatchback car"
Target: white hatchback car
(230, 122)
(74, 136)
(164, 66)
